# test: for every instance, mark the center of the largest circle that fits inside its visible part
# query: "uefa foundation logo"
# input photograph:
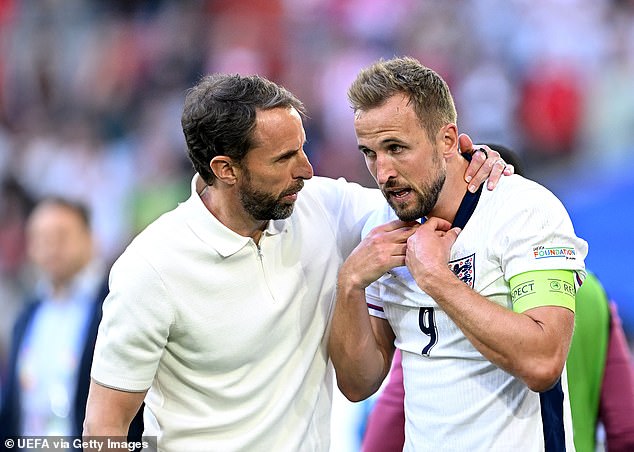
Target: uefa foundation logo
(542, 252)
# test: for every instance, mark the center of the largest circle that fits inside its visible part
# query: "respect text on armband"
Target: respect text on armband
(522, 290)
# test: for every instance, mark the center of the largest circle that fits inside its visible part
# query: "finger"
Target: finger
(478, 160)
(452, 235)
(400, 250)
(397, 224)
(484, 170)
(496, 173)
(396, 261)
(437, 224)
(400, 235)
(466, 147)
(465, 143)
(509, 170)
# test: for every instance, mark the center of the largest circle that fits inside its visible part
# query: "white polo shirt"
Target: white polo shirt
(231, 339)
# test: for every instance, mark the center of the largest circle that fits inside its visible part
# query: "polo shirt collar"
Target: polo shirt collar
(211, 231)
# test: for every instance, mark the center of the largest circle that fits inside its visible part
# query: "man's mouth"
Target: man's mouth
(291, 195)
(398, 194)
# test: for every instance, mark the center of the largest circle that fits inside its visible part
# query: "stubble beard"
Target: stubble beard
(424, 201)
(264, 206)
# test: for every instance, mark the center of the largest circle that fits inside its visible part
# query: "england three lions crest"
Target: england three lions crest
(464, 268)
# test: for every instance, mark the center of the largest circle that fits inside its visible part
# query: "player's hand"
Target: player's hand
(485, 163)
(381, 250)
(429, 248)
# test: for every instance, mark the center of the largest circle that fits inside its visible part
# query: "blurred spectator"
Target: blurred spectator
(608, 122)
(52, 346)
(550, 109)
(15, 206)
(488, 100)
(600, 373)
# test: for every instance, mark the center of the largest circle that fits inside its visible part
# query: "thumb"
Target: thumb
(452, 234)
(465, 142)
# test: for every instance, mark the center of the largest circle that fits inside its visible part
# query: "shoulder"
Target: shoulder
(516, 193)
(161, 232)
(345, 203)
(518, 185)
(379, 216)
(147, 248)
(329, 189)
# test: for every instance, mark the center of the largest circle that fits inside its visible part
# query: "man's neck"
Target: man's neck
(225, 205)
(452, 192)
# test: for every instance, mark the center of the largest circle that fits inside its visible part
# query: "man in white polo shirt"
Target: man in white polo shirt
(218, 311)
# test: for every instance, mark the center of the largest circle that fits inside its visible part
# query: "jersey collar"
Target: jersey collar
(466, 209)
(215, 234)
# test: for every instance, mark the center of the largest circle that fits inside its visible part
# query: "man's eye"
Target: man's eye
(286, 157)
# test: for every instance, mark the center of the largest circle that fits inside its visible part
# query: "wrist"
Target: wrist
(350, 281)
(436, 280)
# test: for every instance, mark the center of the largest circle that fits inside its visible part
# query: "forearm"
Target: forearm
(105, 426)
(109, 412)
(360, 363)
(519, 343)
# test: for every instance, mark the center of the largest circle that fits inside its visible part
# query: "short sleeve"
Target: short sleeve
(540, 236)
(349, 204)
(373, 300)
(134, 328)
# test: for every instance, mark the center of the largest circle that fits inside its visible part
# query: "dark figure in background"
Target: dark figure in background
(48, 371)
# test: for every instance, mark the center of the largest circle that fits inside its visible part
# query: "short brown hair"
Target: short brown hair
(427, 91)
(219, 116)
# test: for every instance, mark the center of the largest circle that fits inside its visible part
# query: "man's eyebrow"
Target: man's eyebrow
(391, 140)
(383, 143)
(290, 152)
(287, 153)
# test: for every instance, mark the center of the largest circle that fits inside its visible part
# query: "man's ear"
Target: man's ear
(224, 169)
(448, 137)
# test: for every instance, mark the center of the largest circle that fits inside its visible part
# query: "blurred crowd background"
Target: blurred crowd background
(91, 95)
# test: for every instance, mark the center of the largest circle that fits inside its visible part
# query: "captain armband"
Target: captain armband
(537, 288)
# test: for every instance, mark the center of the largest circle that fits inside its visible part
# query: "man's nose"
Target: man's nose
(384, 169)
(304, 169)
